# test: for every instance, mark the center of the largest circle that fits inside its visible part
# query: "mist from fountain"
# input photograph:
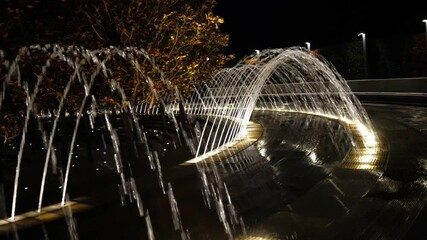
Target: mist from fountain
(290, 79)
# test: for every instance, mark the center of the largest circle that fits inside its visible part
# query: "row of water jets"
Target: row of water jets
(290, 79)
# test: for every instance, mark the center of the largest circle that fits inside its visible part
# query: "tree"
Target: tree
(183, 37)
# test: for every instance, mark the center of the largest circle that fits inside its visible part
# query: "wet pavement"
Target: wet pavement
(366, 204)
(291, 184)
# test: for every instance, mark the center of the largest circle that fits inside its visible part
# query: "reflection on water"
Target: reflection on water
(317, 140)
(295, 152)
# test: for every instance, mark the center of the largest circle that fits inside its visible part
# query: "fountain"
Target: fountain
(83, 153)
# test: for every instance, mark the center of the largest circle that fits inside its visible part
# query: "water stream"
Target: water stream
(216, 115)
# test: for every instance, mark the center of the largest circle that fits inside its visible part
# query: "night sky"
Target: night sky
(281, 23)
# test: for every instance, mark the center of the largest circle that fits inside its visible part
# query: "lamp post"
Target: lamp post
(425, 21)
(308, 46)
(365, 58)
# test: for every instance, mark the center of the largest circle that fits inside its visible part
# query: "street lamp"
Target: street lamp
(308, 45)
(425, 21)
(365, 58)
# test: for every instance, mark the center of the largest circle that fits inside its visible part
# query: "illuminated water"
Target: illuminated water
(116, 148)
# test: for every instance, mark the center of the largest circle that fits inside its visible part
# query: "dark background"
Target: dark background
(277, 23)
